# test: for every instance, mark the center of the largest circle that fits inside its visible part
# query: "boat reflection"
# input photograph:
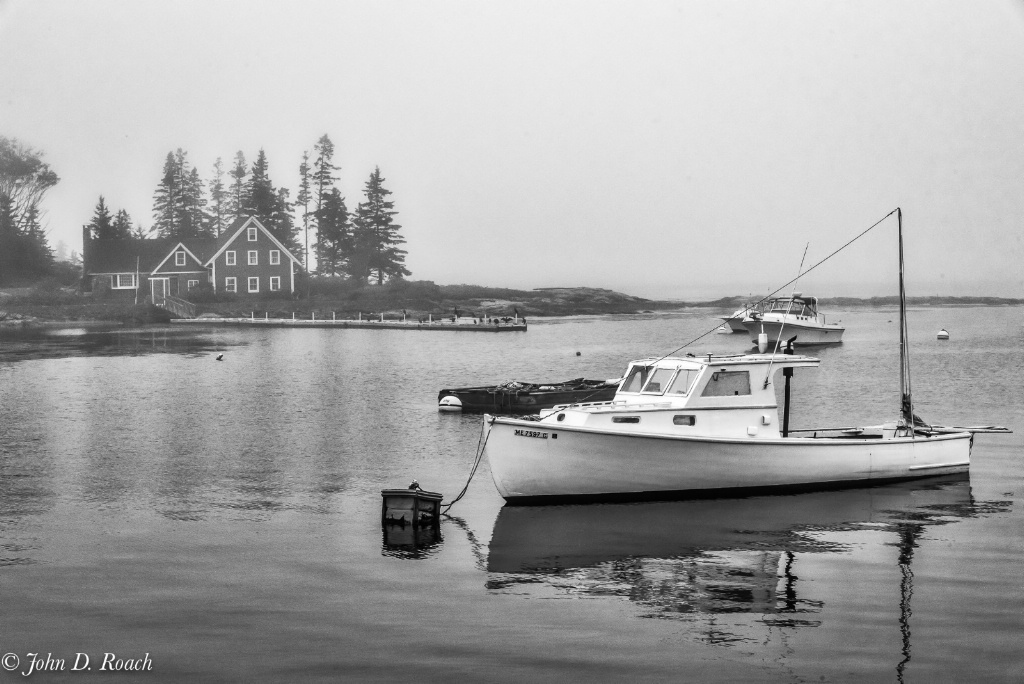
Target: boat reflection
(411, 541)
(709, 556)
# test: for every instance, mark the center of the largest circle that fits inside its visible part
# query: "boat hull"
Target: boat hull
(735, 322)
(500, 400)
(534, 462)
(805, 334)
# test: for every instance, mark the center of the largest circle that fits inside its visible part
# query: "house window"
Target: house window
(254, 257)
(275, 257)
(275, 283)
(231, 284)
(193, 283)
(123, 281)
(254, 284)
(179, 258)
(229, 258)
(252, 235)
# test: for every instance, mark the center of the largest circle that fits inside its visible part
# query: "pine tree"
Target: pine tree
(101, 226)
(195, 222)
(218, 200)
(166, 200)
(236, 202)
(283, 226)
(24, 180)
(302, 200)
(121, 228)
(334, 238)
(260, 199)
(376, 234)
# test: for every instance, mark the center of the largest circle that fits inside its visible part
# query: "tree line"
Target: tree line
(363, 246)
(25, 254)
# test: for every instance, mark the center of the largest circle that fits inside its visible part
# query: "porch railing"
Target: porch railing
(178, 307)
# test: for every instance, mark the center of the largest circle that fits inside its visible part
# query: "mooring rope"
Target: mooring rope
(480, 445)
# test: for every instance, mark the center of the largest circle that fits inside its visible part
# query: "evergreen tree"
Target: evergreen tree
(195, 222)
(218, 200)
(260, 199)
(24, 180)
(334, 238)
(236, 202)
(101, 227)
(302, 200)
(376, 234)
(167, 200)
(323, 183)
(122, 225)
(283, 226)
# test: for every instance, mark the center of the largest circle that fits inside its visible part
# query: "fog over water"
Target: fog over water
(662, 149)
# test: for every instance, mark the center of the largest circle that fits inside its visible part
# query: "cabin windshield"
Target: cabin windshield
(659, 381)
(636, 378)
(684, 380)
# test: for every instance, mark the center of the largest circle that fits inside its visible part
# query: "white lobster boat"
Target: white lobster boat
(709, 425)
(680, 426)
(785, 317)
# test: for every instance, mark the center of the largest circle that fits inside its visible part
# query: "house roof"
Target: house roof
(125, 256)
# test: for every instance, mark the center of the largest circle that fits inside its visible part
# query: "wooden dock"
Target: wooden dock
(266, 322)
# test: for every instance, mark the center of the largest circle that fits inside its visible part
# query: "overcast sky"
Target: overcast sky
(660, 148)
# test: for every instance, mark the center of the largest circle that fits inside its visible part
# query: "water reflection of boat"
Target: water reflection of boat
(711, 556)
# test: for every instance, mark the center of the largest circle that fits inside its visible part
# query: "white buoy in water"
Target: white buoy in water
(449, 403)
(762, 342)
(943, 335)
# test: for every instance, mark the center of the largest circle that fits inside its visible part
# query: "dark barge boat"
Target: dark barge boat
(524, 397)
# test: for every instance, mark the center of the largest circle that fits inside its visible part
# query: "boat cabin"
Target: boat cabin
(723, 396)
(802, 307)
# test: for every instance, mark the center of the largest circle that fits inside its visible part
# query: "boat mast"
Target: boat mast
(906, 395)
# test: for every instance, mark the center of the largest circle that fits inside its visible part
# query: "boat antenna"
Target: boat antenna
(775, 349)
(785, 285)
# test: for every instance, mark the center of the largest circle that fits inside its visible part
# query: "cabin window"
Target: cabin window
(252, 234)
(727, 384)
(231, 284)
(684, 420)
(636, 378)
(659, 381)
(684, 380)
(254, 285)
(275, 283)
(275, 257)
(229, 257)
(254, 257)
(625, 419)
(122, 281)
(179, 258)
(193, 283)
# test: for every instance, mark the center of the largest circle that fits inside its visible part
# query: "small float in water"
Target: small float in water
(943, 335)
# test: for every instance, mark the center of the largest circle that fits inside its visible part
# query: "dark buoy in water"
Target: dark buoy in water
(579, 354)
(220, 357)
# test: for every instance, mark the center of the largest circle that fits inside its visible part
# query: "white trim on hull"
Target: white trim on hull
(545, 461)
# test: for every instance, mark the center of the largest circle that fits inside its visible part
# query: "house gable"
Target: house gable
(193, 263)
(243, 226)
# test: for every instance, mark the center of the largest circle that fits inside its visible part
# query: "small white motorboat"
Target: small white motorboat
(785, 317)
(943, 335)
(734, 321)
(686, 426)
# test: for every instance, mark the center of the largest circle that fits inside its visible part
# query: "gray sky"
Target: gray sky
(662, 149)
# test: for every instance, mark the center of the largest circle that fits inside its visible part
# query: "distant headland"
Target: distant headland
(48, 302)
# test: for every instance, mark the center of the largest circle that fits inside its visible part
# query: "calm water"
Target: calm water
(223, 517)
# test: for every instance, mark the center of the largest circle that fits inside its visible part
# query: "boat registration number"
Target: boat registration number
(531, 433)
